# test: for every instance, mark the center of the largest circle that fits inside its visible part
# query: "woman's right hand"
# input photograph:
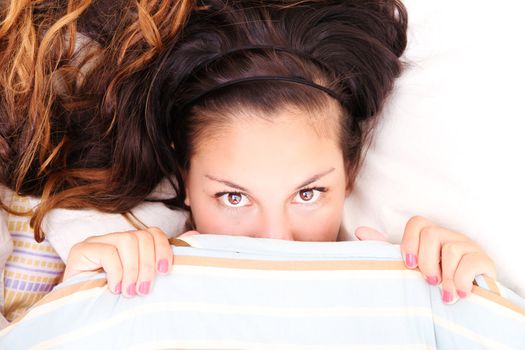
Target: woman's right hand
(130, 259)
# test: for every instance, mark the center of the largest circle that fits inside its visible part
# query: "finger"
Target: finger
(364, 233)
(88, 256)
(430, 255)
(410, 240)
(448, 292)
(470, 266)
(451, 255)
(80, 260)
(127, 246)
(163, 252)
(128, 251)
(146, 273)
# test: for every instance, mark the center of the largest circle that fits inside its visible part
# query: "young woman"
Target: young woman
(262, 111)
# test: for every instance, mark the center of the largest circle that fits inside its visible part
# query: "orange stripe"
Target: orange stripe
(288, 265)
(498, 299)
(65, 291)
(491, 284)
(177, 242)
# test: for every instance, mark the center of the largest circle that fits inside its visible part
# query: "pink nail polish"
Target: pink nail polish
(411, 260)
(118, 288)
(462, 294)
(433, 280)
(162, 265)
(447, 296)
(144, 287)
(132, 290)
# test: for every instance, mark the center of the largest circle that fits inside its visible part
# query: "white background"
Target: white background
(451, 145)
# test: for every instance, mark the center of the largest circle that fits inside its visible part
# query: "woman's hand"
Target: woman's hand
(443, 256)
(130, 259)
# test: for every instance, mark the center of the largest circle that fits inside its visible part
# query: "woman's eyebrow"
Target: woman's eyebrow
(314, 178)
(227, 183)
(305, 183)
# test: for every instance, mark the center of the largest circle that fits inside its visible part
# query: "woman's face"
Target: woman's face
(282, 179)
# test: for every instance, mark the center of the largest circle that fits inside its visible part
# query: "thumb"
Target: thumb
(94, 256)
(364, 233)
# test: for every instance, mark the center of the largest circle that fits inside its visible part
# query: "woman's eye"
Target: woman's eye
(308, 195)
(233, 199)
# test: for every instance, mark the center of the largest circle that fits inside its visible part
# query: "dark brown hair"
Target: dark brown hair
(97, 122)
(350, 47)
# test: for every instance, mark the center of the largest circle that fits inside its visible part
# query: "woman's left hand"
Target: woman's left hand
(443, 256)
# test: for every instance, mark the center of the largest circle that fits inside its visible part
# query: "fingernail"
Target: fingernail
(411, 260)
(447, 296)
(118, 288)
(144, 287)
(132, 290)
(162, 265)
(433, 280)
(462, 294)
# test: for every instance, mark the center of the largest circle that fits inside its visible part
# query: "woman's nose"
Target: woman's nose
(276, 226)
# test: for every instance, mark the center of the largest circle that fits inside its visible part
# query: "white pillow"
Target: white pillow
(67, 227)
(450, 145)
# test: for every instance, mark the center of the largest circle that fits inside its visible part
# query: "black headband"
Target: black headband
(290, 79)
(296, 80)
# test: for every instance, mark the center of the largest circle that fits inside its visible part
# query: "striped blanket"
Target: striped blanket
(245, 293)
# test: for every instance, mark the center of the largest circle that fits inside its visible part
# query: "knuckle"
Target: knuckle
(449, 249)
(74, 252)
(417, 220)
(452, 247)
(94, 239)
(140, 233)
(157, 233)
(128, 238)
(481, 259)
(154, 229)
(427, 232)
(471, 258)
(77, 246)
(146, 235)
(111, 251)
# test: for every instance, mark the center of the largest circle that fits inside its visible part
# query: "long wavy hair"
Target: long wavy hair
(71, 130)
(99, 100)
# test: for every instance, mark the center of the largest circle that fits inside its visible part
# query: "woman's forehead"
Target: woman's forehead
(255, 147)
(325, 122)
